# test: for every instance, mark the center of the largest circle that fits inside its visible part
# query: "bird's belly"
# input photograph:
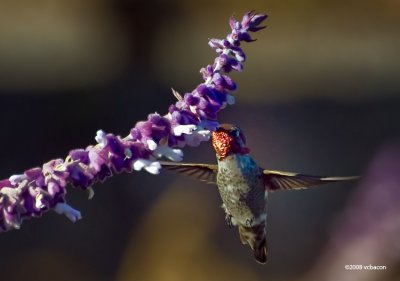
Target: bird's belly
(244, 202)
(241, 189)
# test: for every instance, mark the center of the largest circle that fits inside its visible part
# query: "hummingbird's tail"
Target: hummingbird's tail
(255, 237)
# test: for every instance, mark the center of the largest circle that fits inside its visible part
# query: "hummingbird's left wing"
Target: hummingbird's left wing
(275, 180)
(203, 172)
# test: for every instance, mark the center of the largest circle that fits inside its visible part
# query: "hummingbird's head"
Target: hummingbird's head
(228, 139)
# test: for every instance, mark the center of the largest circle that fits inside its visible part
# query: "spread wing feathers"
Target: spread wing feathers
(203, 172)
(275, 180)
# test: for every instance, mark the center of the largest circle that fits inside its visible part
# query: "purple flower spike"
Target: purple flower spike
(253, 21)
(191, 100)
(240, 30)
(187, 122)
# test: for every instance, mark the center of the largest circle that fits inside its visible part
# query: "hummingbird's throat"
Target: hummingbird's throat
(224, 144)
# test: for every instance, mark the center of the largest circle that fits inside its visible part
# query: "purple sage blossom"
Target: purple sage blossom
(188, 122)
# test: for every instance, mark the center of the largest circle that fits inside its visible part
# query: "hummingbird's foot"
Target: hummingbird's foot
(228, 219)
(249, 222)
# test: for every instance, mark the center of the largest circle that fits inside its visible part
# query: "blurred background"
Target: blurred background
(320, 94)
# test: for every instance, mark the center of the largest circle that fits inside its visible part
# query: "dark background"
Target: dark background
(319, 94)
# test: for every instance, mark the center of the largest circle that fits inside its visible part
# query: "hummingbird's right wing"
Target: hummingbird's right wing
(275, 180)
(203, 172)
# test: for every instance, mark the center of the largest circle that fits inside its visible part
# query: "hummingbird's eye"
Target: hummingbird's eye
(235, 132)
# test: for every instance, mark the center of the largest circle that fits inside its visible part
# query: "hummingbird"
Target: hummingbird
(243, 185)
